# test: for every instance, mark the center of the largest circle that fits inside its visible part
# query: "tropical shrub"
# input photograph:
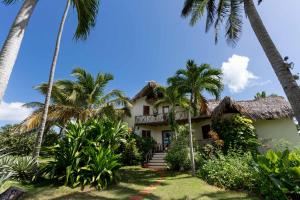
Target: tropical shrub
(17, 144)
(16, 167)
(130, 153)
(87, 154)
(234, 170)
(5, 170)
(237, 132)
(144, 144)
(282, 170)
(177, 156)
(275, 175)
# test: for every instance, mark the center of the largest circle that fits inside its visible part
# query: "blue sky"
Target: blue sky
(138, 41)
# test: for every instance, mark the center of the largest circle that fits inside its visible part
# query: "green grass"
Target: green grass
(176, 186)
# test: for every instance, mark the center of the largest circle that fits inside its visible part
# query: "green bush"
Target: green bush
(144, 144)
(237, 132)
(274, 175)
(17, 144)
(16, 167)
(87, 154)
(130, 153)
(282, 170)
(177, 156)
(232, 171)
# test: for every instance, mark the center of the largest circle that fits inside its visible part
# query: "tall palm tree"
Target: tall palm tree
(172, 97)
(78, 100)
(230, 12)
(12, 44)
(194, 81)
(87, 12)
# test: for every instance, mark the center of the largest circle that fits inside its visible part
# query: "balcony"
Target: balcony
(159, 119)
(162, 119)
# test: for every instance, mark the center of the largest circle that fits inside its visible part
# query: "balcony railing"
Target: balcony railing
(160, 118)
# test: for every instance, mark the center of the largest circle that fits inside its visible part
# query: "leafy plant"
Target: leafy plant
(5, 170)
(17, 144)
(237, 132)
(130, 153)
(232, 171)
(282, 169)
(177, 156)
(144, 144)
(87, 154)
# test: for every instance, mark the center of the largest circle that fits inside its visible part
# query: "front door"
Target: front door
(166, 139)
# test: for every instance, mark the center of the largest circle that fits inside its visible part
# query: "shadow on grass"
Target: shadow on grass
(133, 179)
(221, 195)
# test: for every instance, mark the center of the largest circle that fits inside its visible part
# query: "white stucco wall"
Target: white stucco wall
(275, 131)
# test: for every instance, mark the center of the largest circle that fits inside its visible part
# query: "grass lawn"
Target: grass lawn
(176, 186)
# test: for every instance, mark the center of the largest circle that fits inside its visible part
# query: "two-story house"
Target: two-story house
(272, 117)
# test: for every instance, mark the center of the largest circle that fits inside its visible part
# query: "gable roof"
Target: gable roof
(151, 85)
(273, 107)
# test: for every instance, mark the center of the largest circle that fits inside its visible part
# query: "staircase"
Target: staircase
(158, 161)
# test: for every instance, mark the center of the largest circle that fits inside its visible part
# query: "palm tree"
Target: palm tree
(230, 11)
(193, 81)
(12, 44)
(260, 95)
(87, 12)
(171, 96)
(78, 100)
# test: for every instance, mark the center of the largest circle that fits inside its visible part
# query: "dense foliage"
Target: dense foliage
(16, 167)
(87, 154)
(144, 144)
(233, 170)
(21, 144)
(130, 153)
(274, 175)
(177, 156)
(282, 169)
(237, 132)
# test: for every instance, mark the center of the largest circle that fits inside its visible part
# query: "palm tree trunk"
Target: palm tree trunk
(191, 140)
(280, 68)
(12, 44)
(39, 138)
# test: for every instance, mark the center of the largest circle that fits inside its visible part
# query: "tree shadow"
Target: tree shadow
(222, 195)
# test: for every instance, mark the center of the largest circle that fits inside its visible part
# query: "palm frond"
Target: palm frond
(8, 2)
(87, 11)
(234, 23)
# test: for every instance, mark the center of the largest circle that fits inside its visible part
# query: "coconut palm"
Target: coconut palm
(78, 100)
(194, 81)
(230, 12)
(87, 12)
(12, 44)
(172, 97)
(8, 55)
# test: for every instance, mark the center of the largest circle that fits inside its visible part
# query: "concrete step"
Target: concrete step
(158, 156)
(158, 167)
(157, 161)
(157, 164)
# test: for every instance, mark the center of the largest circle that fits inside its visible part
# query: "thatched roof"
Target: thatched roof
(273, 107)
(151, 85)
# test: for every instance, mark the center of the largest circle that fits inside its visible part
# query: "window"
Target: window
(205, 131)
(165, 109)
(146, 133)
(146, 110)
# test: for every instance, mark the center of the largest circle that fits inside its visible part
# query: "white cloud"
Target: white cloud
(13, 112)
(236, 74)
